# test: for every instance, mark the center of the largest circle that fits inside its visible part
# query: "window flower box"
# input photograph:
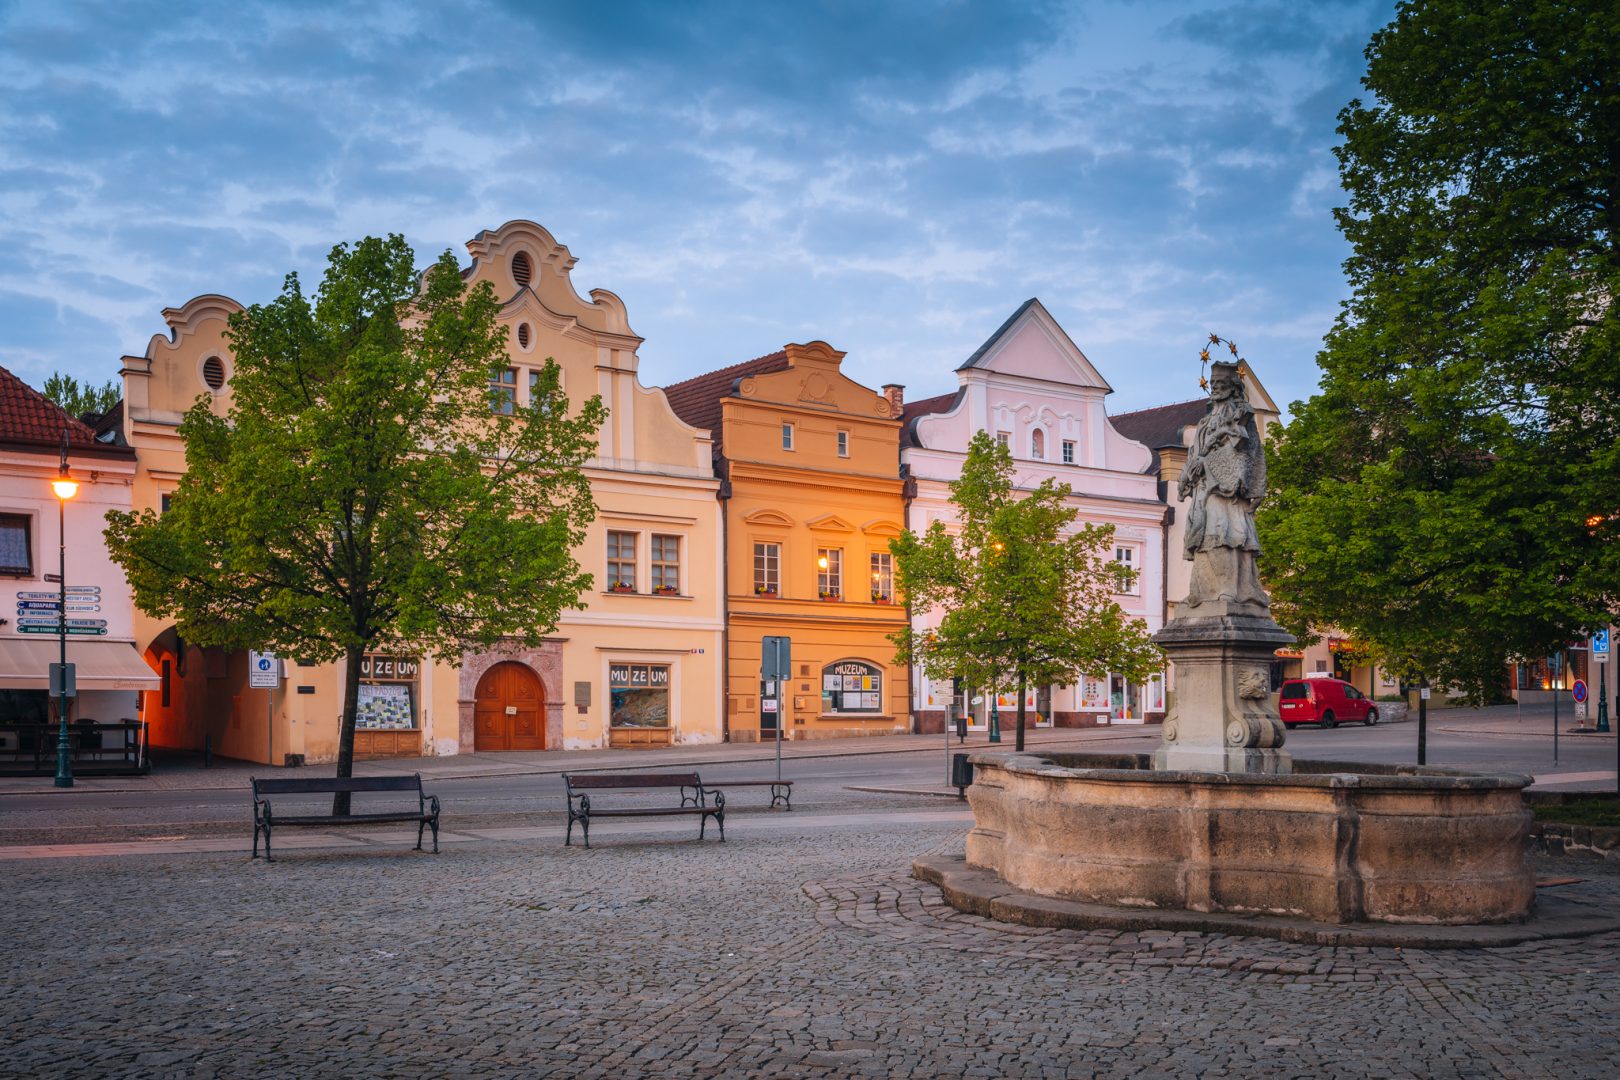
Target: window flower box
(666, 590)
(764, 593)
(828, 594)
(621, 587)
(879, 598)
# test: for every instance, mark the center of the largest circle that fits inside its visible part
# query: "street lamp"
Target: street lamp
(65, 487)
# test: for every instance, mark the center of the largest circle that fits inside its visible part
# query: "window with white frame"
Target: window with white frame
(829, 573)
(843, 444)
(1068, 451)
(1004, 438)
(16, 547)
(621, 561)
(503, 391)
(767, 569)
(787, 436)
(1037, 444)
(882, 577)
(1126, 557)
(666, 564)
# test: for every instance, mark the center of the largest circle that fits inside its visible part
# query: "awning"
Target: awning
(25, 664)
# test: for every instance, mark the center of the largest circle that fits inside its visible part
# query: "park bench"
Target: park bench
(426, 814)
(781, 790)
(580, 809)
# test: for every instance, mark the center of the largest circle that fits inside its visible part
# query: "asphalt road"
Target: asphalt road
(1491, 740)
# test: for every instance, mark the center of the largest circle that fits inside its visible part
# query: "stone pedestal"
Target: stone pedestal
(1222, 719)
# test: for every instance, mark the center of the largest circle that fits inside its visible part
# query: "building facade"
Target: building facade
(640, 665)
(813, 497)
(1033, 388)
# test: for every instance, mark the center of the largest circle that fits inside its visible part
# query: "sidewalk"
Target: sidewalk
(187, 773)
(1512, 720)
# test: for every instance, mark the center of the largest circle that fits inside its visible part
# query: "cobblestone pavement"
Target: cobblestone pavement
(788, 952)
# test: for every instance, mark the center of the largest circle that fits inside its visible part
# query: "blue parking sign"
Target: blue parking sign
(1600, 645)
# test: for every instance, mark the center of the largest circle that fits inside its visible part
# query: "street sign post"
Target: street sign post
(264, 673)
(776, 668)
(1600, 657)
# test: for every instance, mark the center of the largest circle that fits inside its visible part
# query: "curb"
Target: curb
(982, 893)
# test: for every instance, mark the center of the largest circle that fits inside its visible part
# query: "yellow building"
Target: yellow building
(641, 665)
(812, 493)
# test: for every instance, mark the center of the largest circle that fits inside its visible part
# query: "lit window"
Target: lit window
(503, 391)
(16, 552)
(1037, 445)
(787, 436)
(829, 573)
(621, 561)
(882, 576)
(851, 686)
(767, 569)
(1068, 451)
(843, 444)
(666, 564)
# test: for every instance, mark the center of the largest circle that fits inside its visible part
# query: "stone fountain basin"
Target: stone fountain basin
(1330, 841)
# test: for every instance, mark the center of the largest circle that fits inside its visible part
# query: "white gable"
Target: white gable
(1032, 345)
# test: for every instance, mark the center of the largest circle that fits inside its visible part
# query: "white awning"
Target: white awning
(25, 664)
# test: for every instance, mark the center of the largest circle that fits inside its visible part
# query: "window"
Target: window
(503, 391)
(882, 577)
(1068, 451)
(165, 501)
(1294, 691)
(1037, 445)
(639, 695)
(1004, 437)
(1126, 557)
(213, 373)
(787, 436)
(851, 686)
(388, 695)
(523, 335)
(767, 569)
(16, 552)
(843, 444)
(621, 561)
(522, 269)
(666, 564)
(829, 573)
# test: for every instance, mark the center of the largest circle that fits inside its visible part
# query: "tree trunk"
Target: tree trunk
(351, 706)
(1019, 744)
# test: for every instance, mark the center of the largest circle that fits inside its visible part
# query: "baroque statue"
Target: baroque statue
(1224, 481)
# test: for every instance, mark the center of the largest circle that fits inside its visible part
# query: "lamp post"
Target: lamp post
(65, 487)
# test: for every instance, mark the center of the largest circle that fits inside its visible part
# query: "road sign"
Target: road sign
(52, 628)
(264, 671)
(1600, 645)
(775, 660)
(1578, 691)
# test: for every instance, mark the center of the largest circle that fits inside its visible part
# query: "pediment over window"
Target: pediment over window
(881, 527)
(830, 523)
(768, 517)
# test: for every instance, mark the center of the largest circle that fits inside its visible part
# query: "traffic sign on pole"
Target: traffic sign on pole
(1578, 691)
(1600, 645)
(264, 671)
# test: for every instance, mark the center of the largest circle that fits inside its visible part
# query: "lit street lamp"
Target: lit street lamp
(65, 487)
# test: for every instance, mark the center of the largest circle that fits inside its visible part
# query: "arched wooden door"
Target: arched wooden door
(509, 711)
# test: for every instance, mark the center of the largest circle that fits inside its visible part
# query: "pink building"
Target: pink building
(1033, 388)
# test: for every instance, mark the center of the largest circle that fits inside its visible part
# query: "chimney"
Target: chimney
(896, 394)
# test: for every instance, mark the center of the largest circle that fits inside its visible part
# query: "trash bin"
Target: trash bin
(961, 774)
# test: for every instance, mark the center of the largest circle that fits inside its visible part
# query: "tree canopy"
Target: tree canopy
(77, 398)
(369, 488)
(1028, 597)
(1451, 496)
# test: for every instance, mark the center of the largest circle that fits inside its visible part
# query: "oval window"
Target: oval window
(213, 372)
(522, 269)
(523, 334)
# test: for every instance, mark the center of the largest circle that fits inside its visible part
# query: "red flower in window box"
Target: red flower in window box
(621, 587)
(765, 591)
(829, 594)
(666, 590)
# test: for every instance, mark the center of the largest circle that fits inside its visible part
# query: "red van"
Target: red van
(1325, 702)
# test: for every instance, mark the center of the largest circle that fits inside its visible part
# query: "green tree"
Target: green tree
(365, 491)
(1451, 496)
(1027, 596)
(77, 399)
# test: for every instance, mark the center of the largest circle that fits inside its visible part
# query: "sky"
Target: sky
(892, 178)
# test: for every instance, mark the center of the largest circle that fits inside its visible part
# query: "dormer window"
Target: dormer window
(522, 269)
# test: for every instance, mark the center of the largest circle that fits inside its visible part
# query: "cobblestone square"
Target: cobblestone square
(801, 950)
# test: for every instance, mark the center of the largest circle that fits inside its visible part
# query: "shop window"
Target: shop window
(882, 577)
(639, 695)
(787, 436)
(1068, 451)
(851, 686)
(843, 444)
(387, 693)
(1037, 445)
(16, 546)
(829, 573)
(503, 391)
(666, 564)
(767, 569)
(621, 561)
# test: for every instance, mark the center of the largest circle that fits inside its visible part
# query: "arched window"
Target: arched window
(1037, 444)
(851, 686)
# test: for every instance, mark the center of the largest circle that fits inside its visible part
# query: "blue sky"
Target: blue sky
(892, 178)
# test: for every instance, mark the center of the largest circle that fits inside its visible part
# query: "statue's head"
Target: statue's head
(1225, 382)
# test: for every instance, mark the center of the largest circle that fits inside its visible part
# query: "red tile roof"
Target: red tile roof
(697, 400)
(1161, 425)
(31, 421)
(916, 410)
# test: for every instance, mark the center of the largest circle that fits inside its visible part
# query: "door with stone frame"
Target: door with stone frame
(509, 710)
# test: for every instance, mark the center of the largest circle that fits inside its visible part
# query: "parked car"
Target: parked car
(1327, 702)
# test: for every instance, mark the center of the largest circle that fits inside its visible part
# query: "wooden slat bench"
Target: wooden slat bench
(781, 790)
(426, 814)
(708, 804)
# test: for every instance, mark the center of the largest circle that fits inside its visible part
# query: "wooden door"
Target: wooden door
(509, 711)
